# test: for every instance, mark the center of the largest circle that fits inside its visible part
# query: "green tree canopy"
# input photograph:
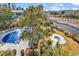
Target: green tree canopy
(35, 19)
(5, 16)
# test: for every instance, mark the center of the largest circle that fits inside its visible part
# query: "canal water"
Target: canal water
(66, 27)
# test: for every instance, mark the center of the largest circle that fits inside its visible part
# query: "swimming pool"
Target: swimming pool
(11, 37)
(56, 37)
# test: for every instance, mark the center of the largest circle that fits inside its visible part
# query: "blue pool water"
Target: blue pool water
(11, 37)
(57, 38)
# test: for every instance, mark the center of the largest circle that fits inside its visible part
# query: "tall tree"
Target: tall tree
(35, 19)
(5, 16)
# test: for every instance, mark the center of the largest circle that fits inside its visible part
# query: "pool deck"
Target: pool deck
(20, 46)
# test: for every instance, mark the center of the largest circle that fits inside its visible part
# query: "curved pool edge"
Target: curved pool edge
(55, 41)
(5, 34)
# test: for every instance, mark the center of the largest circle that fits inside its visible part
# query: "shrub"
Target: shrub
(5, 53)
(13, 52)
(73, 35)
(22, 52)
(49, 42)
(67, 34)
(46, 50)
(8, 53)
(33, 53)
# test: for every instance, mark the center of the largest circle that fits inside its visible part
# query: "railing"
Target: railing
(18, 11)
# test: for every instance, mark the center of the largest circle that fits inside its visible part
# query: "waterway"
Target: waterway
(69, 28)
